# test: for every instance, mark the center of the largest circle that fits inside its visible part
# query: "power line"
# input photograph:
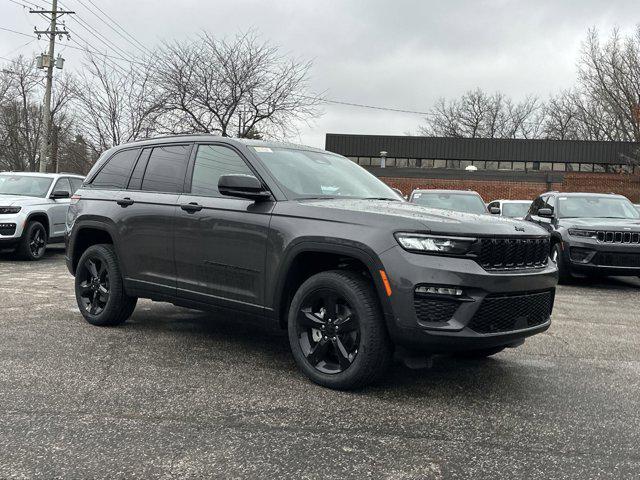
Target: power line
(144, 48)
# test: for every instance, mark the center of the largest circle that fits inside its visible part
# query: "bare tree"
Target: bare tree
(116, 105)
(232, 87)
(20, 116)
(479, 115)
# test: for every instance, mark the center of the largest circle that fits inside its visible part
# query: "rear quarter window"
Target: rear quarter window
(115, 173)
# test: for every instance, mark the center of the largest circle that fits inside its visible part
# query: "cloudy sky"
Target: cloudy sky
(395, 53)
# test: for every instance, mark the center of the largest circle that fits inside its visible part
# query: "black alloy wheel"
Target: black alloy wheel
(94, 285)
(328, 331)
(37, 241)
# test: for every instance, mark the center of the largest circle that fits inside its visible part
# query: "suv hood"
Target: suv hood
(602, 223)
(398, 215)
(11, 200)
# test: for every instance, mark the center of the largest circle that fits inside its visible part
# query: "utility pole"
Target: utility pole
(47, 61)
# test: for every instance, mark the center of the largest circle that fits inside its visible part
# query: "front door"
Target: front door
(220, 242)
(58, 209)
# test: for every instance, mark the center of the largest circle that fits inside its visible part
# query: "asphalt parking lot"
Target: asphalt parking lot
(176, 393)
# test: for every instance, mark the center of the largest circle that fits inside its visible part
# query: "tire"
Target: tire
(99, 288)
(482, 353)
(348, 351)
(33, 243)
(564, 274)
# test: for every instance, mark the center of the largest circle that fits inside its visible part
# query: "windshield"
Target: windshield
(514, 210)
(306, 174)
(24, 185)
(459, 202)
(596, 207)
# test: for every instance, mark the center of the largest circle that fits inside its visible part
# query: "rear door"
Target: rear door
(58, 208)
(148, 208)
(220, 242)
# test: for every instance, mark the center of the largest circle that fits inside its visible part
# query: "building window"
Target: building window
(491, 165)
(599, 168)
(546, 165)
(465, 163)
(401, 162)
(586, 167)
(390, 162)
(573, 167)
(439, 164)
(412, 162)
(518, 165)
(504, 166)
(426, 163)
(559, 167)
(480, 164)
(364, 160)
(454, 164)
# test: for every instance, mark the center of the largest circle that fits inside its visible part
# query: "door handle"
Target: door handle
(191, 207)
(125, 202)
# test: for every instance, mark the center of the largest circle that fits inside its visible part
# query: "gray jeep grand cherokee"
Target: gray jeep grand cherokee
(307, 239)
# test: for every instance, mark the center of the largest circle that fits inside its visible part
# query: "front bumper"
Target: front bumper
(591, 257)
(11, 227)
(463, 323)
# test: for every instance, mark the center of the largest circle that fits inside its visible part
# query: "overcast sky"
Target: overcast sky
(400, 54)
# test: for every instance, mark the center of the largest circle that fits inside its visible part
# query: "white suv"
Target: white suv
(33, 210)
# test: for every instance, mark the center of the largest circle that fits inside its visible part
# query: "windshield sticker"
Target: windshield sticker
(563, 198)
(417, 195)
(263, 149)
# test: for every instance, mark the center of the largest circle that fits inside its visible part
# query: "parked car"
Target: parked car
(510, 208)
(591, 233)
(465, 201)
(33, 210)
(307, 239)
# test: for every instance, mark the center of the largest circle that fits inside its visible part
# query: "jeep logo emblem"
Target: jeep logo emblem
(519, 228)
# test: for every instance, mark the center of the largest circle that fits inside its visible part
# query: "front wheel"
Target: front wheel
(336, 331)
(564, 274)
(99, 288)
(34, 241)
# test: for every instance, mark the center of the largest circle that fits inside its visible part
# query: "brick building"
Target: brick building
(505, 168)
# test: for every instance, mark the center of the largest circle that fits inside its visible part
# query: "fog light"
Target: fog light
(433, 290)
(581, 255)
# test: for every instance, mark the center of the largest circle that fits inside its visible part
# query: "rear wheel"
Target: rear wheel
(336, 331)
(33, 242)
(99, 288)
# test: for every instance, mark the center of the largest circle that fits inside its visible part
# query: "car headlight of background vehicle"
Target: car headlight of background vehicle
(422, 243)
(7, 210)
(574, 232)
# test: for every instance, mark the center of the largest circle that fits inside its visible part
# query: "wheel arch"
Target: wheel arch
(295, 268)
(86, 234)
(43, 218)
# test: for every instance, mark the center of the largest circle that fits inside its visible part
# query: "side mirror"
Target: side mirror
(59, 194)
(494, 210)
(545, 212)
(243, 186)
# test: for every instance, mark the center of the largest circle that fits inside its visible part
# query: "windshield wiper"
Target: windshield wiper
(382, 198)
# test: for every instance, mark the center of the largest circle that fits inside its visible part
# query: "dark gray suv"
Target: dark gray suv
(310, 240)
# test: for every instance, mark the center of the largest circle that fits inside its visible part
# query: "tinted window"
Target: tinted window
(115, 174)
(212, 161)
(166, 169)
(136, 177)
(76, 183)
(62, 185)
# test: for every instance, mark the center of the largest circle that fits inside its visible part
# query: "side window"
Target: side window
(551, 203)
(138, 171)
(166, 169)
(213, 161)
(76, 183)
(115, 174)
(62, 185)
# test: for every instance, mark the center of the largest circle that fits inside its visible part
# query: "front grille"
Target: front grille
(617, 259)
(507, 312)
(7, 228)
(513, 253)
(606, 236)
(434, 310)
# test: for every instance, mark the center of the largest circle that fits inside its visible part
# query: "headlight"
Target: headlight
(10, 209)
(416, 242)
(582, 233)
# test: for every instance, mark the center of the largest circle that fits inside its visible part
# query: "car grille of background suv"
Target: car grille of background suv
(617, 259)
(513, 253)
(434, 310)
(507, 312)
(618, 237)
